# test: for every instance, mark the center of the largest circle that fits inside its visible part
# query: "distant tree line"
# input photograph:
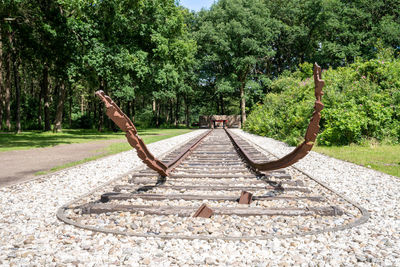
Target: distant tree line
(165, 65)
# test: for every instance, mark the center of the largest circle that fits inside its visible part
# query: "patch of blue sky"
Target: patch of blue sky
(197, 5)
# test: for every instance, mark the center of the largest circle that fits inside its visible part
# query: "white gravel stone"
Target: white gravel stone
(31, 234)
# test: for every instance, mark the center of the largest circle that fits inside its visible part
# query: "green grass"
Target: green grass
(384, 158)
(37, 139)
(148, 136)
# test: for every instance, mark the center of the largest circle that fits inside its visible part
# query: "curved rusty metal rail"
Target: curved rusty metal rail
(364, 216)
(126, 125)
(311, 134)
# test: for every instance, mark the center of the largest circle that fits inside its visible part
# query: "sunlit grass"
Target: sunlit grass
(149, 136)
(37, 139)
(384, 158)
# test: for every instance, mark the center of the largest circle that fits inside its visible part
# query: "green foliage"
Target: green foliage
(282, 115)
(361, 102)
(190, 63)
(145, 119)
(37, 139)
(235, 40)
(81, 121)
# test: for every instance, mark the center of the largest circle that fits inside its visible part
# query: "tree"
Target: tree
(1, 80)
(188, 64)
(236, 40)
(351, 29)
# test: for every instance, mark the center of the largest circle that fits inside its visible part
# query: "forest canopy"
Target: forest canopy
(165, 65)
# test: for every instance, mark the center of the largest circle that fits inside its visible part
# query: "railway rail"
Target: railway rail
(284, 203)
(216, 186)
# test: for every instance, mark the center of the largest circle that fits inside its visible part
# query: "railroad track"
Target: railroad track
(211, 176)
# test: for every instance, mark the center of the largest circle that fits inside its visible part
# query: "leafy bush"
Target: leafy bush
(362, 101)
(145, 119)
(82, 121)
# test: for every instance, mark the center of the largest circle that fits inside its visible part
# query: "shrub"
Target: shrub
(362, 101)
(81, 121)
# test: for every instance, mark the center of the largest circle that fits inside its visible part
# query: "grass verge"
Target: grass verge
(37, 139)
(153, 135)
(384, 158)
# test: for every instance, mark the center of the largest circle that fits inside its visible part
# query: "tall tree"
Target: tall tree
(1, 79)
(8, 82)
(237, 38)
(60, 107)
(17, 87)
(46, 97)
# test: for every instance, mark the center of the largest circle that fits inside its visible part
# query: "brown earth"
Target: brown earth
(21, 165)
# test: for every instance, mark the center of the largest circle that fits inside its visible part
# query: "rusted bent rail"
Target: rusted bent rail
(126, 125)
(217, 176)
(301, 150)
(123, 122)
(206, 184)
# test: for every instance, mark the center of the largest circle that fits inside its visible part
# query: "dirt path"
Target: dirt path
(21, 165)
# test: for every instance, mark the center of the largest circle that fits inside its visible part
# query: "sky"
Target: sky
(196, 5)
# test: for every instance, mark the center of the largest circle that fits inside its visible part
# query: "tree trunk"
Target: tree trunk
(70, 106)
(168, 111)
(17, 95)
(95, 116)
(242, 80)
(158, 111)
(176, 121)
(171, 111)
(60, 108)
(45, 90)
(242, 103)
(128, 109)
(89, 107)
(100, 124)
(40, 107)
(187, 111)
(7, 91)
(32, 86)
(1, 81)
(100, 110)
(82, 104)
(221, 98)
(133, 103)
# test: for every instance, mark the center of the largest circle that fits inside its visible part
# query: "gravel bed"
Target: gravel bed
(376, 242)
(236, 227)
(31, 235)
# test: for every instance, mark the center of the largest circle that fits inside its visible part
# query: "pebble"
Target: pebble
(134, 226)
(146, 261)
